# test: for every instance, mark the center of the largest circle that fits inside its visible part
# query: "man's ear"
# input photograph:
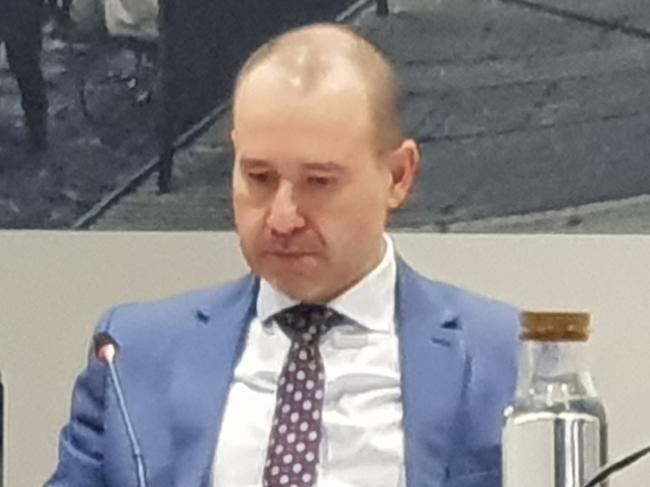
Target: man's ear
(404, 163)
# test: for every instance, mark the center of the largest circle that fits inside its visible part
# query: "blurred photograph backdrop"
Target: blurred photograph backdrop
(532, 115)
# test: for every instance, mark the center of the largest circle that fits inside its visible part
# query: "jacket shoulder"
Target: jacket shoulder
(489, 330)
(478, 315)
(174, 313)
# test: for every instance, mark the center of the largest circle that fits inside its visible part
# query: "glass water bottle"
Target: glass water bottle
(555, 432)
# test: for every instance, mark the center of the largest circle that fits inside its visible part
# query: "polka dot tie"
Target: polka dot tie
(293, 451)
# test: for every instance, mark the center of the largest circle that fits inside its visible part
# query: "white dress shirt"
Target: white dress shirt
(362, 441)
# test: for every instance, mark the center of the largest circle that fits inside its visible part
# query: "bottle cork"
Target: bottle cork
(555, 326)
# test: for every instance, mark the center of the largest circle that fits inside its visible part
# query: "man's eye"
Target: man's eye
(260, 177)
(322, 181)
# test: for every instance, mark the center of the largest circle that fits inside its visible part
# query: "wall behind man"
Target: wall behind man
(55, 285)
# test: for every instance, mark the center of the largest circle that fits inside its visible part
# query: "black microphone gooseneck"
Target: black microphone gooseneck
(106, 350)
(608, 470)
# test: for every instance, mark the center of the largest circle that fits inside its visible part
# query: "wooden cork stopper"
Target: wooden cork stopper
(555, 326)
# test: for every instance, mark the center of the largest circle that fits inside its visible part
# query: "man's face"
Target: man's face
(309, 193)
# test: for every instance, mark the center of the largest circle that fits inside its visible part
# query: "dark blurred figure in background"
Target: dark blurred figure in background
(59, 11)
(20, 30)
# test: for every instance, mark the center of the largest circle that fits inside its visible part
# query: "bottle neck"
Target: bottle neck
(554, 371)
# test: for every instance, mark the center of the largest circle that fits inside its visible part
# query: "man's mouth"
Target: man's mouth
(290, 254)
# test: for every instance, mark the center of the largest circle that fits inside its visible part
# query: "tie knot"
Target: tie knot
(307, 322)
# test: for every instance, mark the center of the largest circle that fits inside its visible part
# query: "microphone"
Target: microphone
(106, 349)
(608, 470)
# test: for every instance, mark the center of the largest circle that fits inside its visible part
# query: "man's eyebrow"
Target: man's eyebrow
(323, 166)
(253, 162)
(329, 167)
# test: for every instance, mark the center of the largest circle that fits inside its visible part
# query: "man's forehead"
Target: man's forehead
(270, 99)
(272, 78)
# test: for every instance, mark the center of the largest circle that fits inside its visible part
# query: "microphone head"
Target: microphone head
(106, 347)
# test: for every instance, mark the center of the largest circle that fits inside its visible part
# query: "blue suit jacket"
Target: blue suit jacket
(458, 366)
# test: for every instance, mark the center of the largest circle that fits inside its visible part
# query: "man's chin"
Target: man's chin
(304, 290)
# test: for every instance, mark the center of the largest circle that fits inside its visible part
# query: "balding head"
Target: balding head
(326, 57)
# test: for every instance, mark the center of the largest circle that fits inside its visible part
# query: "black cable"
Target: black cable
(616, 466)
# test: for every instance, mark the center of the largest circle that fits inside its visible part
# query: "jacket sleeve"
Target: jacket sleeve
(81, 439)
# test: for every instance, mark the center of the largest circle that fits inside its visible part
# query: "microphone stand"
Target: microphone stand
(106, 350)
(135, 447)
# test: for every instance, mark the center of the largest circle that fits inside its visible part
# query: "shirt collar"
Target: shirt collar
(370, 302)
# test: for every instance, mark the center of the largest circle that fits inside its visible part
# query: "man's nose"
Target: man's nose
(284, 216)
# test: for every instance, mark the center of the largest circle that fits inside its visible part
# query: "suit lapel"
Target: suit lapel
(433, 360)
(203, 372)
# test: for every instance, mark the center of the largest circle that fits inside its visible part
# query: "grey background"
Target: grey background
(49, 302)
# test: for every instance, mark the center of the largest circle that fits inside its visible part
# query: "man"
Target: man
(20, 30)
(334, 363)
